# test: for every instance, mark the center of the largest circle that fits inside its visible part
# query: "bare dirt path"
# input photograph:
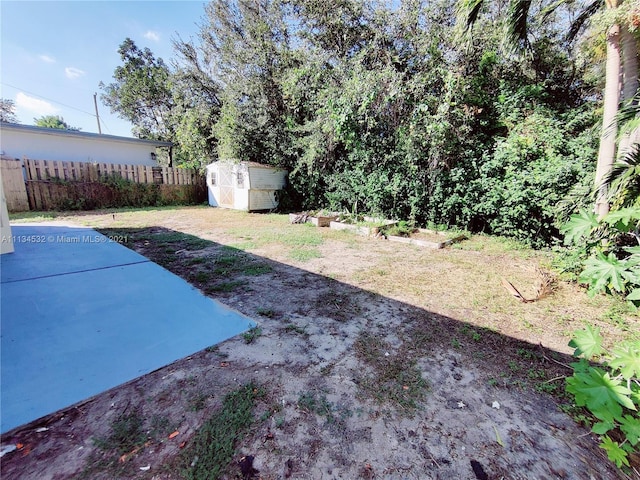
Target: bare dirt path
(372, 360)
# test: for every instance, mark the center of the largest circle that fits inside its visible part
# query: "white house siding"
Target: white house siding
(18, 141)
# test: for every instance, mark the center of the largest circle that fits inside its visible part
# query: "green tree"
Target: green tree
(53, 121)
(141, 92)
(8, 111)
(619, 24)
(178, 104)
(247, 42)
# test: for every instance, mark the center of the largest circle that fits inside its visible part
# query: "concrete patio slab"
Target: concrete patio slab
(81, 314)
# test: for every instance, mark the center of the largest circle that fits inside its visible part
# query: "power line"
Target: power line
(49, 99)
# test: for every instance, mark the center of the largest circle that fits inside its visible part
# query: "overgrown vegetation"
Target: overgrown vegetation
(383, 108)
(113, 191)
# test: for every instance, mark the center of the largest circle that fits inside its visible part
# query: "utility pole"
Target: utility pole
(95, 103)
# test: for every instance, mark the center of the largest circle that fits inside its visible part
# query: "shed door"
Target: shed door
(226, 187)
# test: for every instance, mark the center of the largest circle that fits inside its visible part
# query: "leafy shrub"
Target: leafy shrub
(611, 392)
(613, 265)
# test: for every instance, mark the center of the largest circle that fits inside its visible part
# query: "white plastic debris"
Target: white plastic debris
(7, 449)
(41, 429)
(461, 405)
(144, 469)
(496, 405)
(386, 354)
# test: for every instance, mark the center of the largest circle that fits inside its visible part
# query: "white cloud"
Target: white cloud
(47, 59)
(73, 72)
(34, 105)
(151, 35)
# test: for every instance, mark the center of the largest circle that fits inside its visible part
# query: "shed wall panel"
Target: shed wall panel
(262, 199)
(266, 178)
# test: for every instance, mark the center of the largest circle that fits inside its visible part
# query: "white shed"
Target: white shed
(247, 186)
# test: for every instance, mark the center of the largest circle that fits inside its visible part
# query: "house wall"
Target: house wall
(30, 143)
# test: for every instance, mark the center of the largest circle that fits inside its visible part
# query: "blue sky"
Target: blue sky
(55, 53)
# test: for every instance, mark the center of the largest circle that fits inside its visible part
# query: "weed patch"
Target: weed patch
(334, 414)
(225, 287)
(126, 437)
(252, 335)
(395, 378)
(304, 254)
(213, 446)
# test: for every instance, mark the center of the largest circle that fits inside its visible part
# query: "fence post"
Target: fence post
(157, 175)
(13, 181)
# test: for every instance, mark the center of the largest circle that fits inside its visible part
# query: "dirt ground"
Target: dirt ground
(375, 359)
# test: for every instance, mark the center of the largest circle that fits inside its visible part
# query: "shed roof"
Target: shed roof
(249, 164)
(84, 135)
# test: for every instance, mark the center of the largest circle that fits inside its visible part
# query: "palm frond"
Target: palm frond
(517, 23)
(468, 12)
(628, 116)
(550, 9)
(582, 19)
(624, 178)
(626, 120)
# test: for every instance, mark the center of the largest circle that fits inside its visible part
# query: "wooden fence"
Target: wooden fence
(51, 184)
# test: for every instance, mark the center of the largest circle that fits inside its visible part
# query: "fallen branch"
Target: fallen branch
(514, 291)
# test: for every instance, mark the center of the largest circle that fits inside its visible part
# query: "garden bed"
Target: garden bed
(319, 220)
(366, 226)
(428, 238)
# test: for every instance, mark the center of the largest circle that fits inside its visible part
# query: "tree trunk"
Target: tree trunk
(629, 85)
(607, 151)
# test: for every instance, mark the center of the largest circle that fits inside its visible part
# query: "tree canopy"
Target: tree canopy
(380, 107)
(8, 111)
(53, 121)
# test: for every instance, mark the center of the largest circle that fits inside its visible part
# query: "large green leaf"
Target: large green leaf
(624, 219)
(578, 227)
(633, 250)
(604, 272)
(630, 426)
(600, 393)
(602, 427)
(587, 343)
(614, 452)
(634, 295)
(627, 359)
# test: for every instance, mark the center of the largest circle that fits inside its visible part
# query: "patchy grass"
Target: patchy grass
(185, 241)
(25, 217)
(304, 254)
(210, 452)
(293, 328)
(281, 233)
(315, 402)
(252, 334)
(266, 312)
(129, 433)
(225, 287)
(393, 377)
